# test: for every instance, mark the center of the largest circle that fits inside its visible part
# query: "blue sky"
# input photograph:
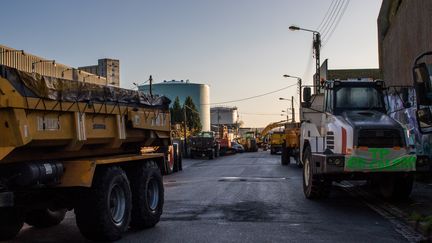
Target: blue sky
(240, 48)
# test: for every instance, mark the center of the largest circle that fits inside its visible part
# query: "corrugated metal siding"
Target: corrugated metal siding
(17, 60)
(409, 35)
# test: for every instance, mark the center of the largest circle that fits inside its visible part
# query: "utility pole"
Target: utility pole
(151, 82)
(292, 110)
(317, 47)
(185, 128)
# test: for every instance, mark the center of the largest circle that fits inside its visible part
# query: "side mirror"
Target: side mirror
(307, 94)
(424, 119)
(423, 84)
(307, 97)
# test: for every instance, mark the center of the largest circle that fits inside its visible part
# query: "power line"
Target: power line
(337, 15)
(333, 17)
(259, 114)
(326, 15)
(326, 26)
(337, 22)
(252, 97)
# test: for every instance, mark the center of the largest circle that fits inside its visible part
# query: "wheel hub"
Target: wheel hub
(153, 194)
(117, 204)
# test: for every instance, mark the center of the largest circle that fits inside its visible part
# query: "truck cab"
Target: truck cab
(347, 134)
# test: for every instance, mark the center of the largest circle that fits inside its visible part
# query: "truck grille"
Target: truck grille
(330, 140)
(379, 138)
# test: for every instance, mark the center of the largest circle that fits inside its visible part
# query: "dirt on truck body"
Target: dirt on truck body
(99, 150)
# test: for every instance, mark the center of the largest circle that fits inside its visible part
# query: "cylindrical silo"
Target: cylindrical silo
(200, 94)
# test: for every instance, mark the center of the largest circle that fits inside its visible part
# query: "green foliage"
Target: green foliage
(192, 116)
(176, 112)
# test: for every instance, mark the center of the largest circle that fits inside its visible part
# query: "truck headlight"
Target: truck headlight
(422, 160)
(338, 161)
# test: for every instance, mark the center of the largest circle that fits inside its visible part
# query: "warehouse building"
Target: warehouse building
(404, 32)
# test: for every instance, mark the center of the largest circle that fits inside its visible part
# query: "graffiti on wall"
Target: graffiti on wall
(407, 117)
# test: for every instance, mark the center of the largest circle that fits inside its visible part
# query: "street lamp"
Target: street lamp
(41, 61)
(292, 109)
(299, 83)
(316, 46)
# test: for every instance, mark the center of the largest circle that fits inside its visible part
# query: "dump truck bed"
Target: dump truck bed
(48, 118)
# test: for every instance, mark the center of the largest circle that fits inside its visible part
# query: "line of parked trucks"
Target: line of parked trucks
(212, 144)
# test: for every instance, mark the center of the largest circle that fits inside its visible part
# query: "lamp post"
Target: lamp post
(292, 109)
(42, 61)
(299, 83)
(316, 47)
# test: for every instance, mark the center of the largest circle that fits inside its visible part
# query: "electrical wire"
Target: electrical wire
(252, 97)
(336, 16)
(337, 22)
(325, 16)
(333, 18)
(332, 14)
(259, 114)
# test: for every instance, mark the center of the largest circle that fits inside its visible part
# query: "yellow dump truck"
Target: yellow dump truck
(291, 144)
(277, 138)
(98, 150)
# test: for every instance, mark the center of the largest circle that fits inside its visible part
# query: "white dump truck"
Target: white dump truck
(346, 134)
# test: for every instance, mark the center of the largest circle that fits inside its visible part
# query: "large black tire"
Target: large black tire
(11, 222)
(147, 196)
(397, 187)
(285, 158)
(176, 158)
(103, 212)
(43, 218)
(180, 161)
(297, 160)
(211, 154)
(314, 187)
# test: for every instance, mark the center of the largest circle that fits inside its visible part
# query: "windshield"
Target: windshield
(206, 134)
(358, 98)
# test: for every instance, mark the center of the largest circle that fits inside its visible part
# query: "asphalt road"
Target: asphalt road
(246, 197)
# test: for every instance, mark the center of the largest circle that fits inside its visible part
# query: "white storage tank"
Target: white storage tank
(200, 94)
(223, 115)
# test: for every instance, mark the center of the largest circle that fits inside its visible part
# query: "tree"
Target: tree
(192, 115)
(176, 112)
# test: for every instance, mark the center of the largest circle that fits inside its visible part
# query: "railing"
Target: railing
(30, 63)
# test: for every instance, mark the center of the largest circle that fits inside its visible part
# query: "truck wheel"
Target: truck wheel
(147, 196)
(211, 154)
(104, 211)
(314, 187)
(11, 222)
(285, 159)
(43, 218)
(180, 161)
(297, 160)
(176, 167)
(396, 187)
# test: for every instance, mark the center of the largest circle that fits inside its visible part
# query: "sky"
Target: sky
(241, 48)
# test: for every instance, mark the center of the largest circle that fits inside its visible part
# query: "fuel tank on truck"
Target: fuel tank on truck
(48, 118)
